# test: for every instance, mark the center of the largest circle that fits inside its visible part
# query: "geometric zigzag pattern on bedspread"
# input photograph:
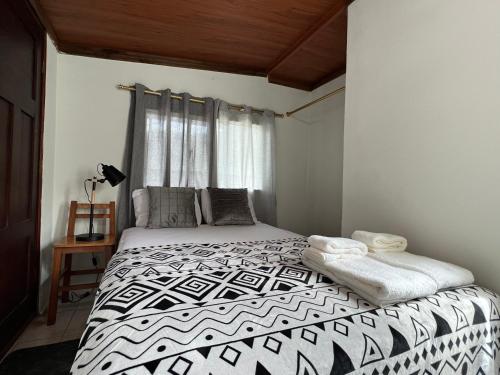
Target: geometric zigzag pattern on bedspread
(254, 308)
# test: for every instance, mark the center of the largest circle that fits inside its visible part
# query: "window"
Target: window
(241, 155)
(155, 149)
(184, 151)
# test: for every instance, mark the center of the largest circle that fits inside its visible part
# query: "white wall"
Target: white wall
(92, 118)
(325, 122)
(422, 127)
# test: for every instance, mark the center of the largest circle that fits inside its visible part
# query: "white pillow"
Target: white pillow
(252, 210)
(141, 207)
(197, 209)
(206, 207)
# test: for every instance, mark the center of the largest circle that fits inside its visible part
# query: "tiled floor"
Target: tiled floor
(69, 325)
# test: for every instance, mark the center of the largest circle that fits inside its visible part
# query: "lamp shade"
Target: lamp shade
(112, 175)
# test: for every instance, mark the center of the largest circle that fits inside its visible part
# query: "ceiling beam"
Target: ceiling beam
(40, 12)
(290, 82)
(148, 58)
(312, 31)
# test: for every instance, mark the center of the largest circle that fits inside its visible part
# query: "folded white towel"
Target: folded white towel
(322, 257)
(375, 281)
(380, 242)
(338, 245)
(446, 275)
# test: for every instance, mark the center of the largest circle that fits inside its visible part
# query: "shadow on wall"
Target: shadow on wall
(46, 256)
(324, 141)
(302, 119)
(44, 289)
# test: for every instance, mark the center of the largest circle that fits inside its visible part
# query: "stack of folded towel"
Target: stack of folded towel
(330, 248)
(377, 267)
(380, 242)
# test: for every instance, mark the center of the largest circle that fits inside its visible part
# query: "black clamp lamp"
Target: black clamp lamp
(114, 177)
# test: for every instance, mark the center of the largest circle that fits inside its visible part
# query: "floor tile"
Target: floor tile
(30, 344)
(70, 325)
(67, 306)
(86, 304)
(78, 320)
(38, 328)
(72, 335)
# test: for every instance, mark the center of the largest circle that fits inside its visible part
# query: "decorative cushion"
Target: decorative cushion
(171, 207)
(230, 207)
(206, 207)
(140, 198)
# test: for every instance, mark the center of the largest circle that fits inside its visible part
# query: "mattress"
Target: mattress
(238, 300)
(137, 237)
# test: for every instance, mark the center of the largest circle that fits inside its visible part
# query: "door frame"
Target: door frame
(41, 114)
(25, 7)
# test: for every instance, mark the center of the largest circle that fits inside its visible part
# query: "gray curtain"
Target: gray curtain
(172, 142)
(169, 143)
(244, 156)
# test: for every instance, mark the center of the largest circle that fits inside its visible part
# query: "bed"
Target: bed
(237, 300)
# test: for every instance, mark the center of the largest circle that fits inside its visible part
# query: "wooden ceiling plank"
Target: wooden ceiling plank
(40, 12)
(293, 83)
(312, 31)
(328, 77)
(289, 40)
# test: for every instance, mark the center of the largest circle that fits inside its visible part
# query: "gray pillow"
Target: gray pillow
(230, 206)
(171, 207)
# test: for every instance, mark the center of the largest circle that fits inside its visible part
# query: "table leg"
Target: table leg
(67, 276)
(108, 253)
(54, 286)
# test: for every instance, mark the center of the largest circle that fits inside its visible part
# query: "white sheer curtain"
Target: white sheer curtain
(244, 156)
(178, 145)
(155, 149)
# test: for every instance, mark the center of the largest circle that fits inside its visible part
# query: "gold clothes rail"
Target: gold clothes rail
(312, 102)
(194, 100)
(240, 107)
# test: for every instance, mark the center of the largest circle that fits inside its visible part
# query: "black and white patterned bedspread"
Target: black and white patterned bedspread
(253, 308)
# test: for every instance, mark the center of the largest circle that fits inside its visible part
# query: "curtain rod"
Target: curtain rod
(312, 102)
(194, 100)
(240, 107)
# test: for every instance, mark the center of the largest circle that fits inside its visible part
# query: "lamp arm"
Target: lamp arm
(92, 201)
(94, 180)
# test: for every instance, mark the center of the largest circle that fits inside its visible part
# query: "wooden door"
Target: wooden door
(22, 50)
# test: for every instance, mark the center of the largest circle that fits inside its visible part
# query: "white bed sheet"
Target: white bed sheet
(137, 237)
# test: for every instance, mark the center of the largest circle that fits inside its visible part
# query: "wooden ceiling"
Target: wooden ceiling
(296, 43)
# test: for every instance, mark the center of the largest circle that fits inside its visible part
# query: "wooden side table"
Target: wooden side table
(64, 250)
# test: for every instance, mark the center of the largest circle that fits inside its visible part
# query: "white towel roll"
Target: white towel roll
(338, 245)
(323, 257)
(380, 242)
